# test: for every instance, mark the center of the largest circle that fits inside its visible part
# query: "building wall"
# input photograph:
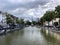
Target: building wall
(0, 17)
(51, 23)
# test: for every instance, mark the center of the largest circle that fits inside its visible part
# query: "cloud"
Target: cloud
(13, 4)
(28, 8)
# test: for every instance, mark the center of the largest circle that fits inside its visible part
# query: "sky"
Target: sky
(28, 9)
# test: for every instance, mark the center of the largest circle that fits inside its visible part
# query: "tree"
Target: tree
(42, 20)
(34, 22)
(57, 10)
(28, 22)
(9, 20)
(49, 15)
(17, 21)
(22, 21)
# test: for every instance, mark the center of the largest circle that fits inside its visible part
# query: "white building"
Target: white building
(51, 23)
(2, 20)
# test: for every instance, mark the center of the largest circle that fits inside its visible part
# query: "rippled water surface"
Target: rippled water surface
(28, 36)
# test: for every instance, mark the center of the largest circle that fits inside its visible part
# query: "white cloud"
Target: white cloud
(39, 11)
(28, 8)
(20, 1)
(18, 10)
(30, 12)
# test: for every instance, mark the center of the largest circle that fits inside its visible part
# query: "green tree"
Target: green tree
(17, 21)
(34, 22)
(57, 11)
(42, 20)
(22, 21)
(28, 22)
(49, 15)
(9, 20)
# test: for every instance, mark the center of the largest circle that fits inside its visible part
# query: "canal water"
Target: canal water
(28, 36)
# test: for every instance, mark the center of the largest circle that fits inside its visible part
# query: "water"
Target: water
(28, 36)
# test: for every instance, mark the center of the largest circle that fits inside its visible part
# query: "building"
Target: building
(52, 22)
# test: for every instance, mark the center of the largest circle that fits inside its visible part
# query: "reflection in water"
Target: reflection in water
(30, 36)
(52, 38)
(7, 39)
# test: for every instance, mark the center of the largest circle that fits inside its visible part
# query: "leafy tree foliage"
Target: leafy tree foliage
(57, 10)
